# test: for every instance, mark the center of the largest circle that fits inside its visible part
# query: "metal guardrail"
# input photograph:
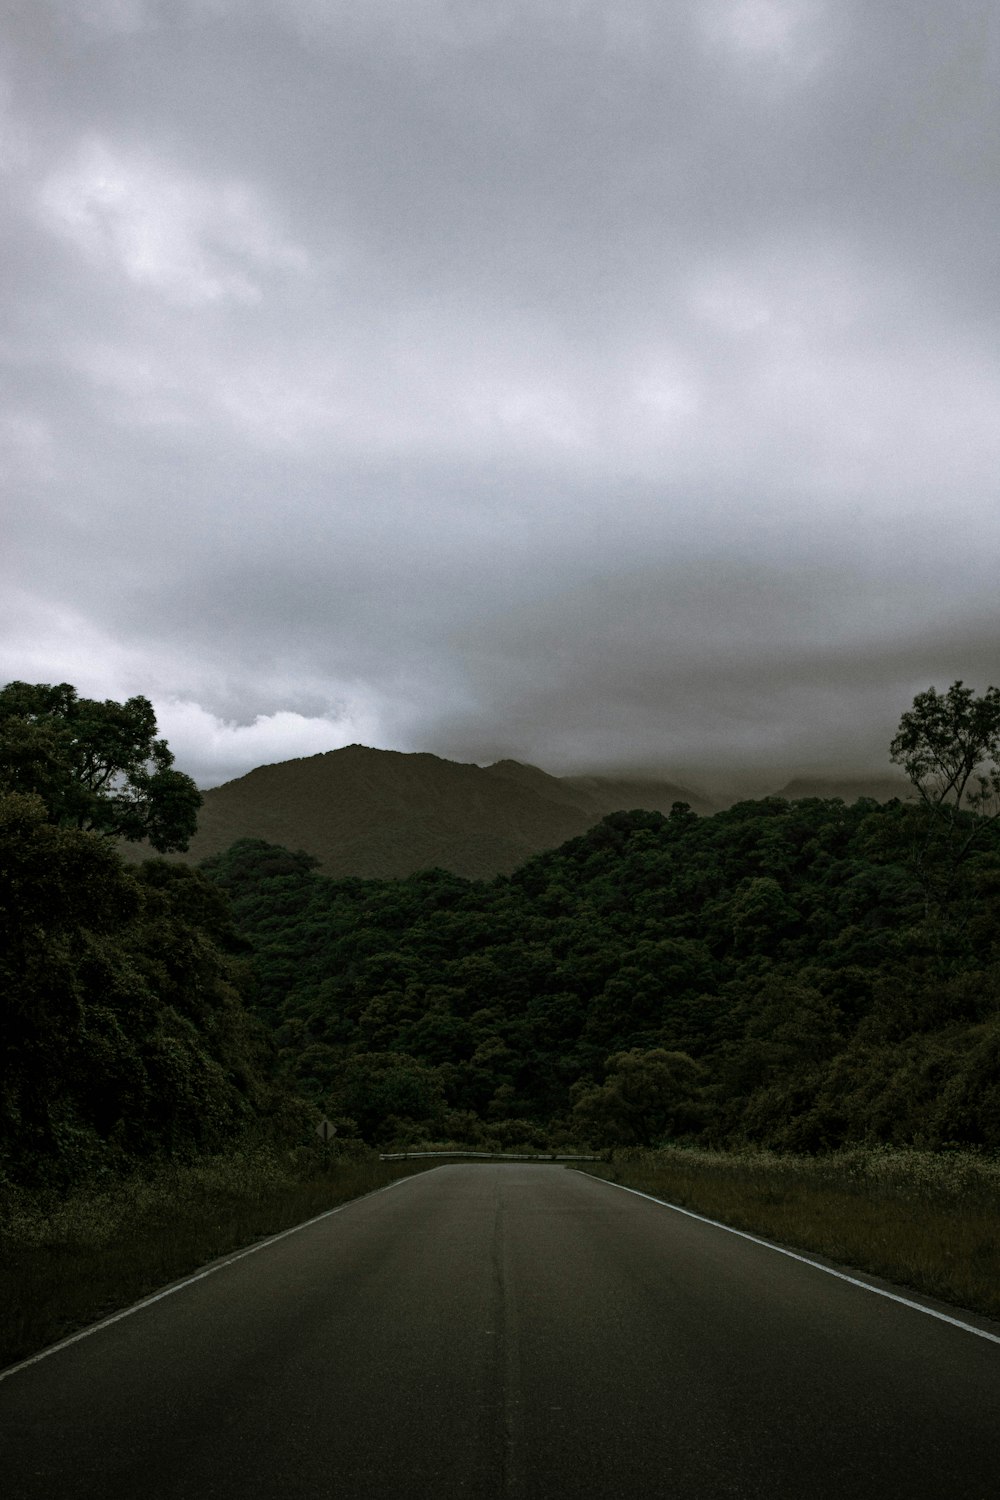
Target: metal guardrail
(485, 1155)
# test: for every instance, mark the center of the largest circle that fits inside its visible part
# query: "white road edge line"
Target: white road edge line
(794, 1255)
(178, 1286)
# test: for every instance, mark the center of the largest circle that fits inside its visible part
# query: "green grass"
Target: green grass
(67, 1262)
(926, 1220)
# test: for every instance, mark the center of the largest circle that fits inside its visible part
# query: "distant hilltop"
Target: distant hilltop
(383, 814)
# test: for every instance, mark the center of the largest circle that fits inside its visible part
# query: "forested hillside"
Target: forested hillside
(799, 974)
(384, 814)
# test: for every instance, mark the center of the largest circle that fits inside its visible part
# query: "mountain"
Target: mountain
(383, 814)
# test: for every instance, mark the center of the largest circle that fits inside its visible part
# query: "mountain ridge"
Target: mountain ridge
(385, 814)
(382, 814)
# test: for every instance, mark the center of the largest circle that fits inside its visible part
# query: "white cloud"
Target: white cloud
(191, 240)
(783, 33)
(42, 640)
(124, 16)
(16, 146)
(833, 375)
(213, 749)
(27, 448)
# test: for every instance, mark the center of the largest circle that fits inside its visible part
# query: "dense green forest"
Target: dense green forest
(798, 974)
(125, 1033)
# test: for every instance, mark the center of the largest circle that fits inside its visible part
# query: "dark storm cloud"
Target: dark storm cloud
(596, 384)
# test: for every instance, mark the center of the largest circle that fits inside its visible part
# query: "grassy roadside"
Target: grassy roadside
(930, 1221)
(67, 1263)
(927, 1220)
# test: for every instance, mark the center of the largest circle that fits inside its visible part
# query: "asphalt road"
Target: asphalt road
(517, 1331)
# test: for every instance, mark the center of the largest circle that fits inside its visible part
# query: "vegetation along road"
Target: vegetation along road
(510, 1330)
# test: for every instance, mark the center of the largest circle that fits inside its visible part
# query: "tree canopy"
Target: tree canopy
(97, 766)
(122, 990)
(949, 746)
(771, 974)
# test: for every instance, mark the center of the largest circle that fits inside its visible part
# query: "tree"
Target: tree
(386, 1092)
(97, 766)
(646, 1096)
(949, 746)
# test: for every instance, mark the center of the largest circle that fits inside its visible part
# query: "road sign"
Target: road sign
(325, 1130)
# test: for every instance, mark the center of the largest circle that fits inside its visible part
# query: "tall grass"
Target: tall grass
(65, 1262)
(926, 1220)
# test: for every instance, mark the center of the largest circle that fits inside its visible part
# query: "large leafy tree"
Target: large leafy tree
(97, 766)
(949, 746)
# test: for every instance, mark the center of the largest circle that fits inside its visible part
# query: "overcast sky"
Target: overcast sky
(602, 383)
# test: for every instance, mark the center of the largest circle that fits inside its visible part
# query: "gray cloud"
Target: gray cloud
(603, 385)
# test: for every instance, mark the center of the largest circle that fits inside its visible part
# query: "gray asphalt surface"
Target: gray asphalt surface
(510, 1331)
